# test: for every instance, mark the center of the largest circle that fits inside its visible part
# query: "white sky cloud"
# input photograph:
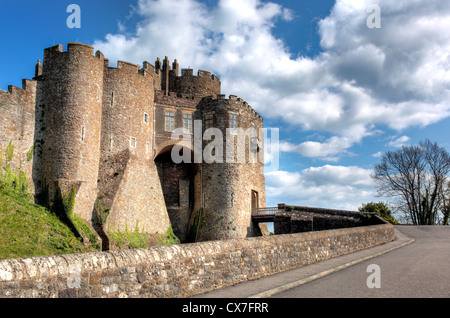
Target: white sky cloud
(397, 76)
(327, 186)
(398, 142)
(378, 154)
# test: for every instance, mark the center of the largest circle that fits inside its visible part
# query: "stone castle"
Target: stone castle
(107, 133)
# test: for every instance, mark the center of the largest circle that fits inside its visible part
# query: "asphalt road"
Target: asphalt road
(419, 270)
(404, 268)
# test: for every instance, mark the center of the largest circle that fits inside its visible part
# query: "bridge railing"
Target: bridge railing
(264, 212)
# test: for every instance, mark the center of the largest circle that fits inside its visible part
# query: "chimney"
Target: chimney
(38, 68)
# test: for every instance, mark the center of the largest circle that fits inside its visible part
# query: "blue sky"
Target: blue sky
(340, 93)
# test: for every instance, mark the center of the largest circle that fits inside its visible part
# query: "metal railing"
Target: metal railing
(264, 212)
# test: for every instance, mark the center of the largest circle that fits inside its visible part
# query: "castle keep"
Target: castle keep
(107, 133)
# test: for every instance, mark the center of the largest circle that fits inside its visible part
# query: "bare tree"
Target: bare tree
(418, 177)
(446, 204)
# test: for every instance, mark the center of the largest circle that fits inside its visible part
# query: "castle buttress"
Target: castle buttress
(107, 133)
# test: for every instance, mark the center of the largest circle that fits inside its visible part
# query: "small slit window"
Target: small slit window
(83, 133)
(146, 118)
(132, 142)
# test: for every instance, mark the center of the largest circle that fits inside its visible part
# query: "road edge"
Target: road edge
(280, 289)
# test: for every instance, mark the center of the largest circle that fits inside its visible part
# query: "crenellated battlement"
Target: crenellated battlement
(128, 67)
(14, 92)
(201, 85)
(80, 48)
(189, 73)
(73, 48)
(151, 69)
(103, 129)
(235, 101)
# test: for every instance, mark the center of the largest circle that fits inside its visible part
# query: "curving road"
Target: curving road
(420, 270)
(404, 268)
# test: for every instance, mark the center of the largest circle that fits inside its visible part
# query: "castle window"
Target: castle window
(146, 118)
(233, 123)
(132, 142)
(187, 123)
(255, 200)
(170, 120)
(209, 121)
(83, 133)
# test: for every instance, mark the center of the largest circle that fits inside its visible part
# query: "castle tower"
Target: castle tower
(129, 186)
(72, 104)
(233, 181)
(107, 132)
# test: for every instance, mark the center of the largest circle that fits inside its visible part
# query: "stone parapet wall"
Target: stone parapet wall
(297, 219)
(179, 270)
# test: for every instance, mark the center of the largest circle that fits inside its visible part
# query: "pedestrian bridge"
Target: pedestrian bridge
(264, 215)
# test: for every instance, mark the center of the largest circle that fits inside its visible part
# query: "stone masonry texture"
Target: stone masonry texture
(104, 131)
(297, 219)
(179, 270)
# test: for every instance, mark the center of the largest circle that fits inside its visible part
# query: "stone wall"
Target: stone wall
(305, 219)
(139, 201)
(233, 183)
(180, 105)
(202, 85)
(179, 270)
(17, 122)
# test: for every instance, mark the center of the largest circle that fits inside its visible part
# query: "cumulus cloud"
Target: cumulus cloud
(397, 76)
(399, 142)
(327, 186)
(328, 150)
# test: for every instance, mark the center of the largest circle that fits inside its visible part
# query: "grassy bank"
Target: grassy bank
(29, 230)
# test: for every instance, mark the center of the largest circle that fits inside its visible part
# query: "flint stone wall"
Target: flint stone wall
(179, 270)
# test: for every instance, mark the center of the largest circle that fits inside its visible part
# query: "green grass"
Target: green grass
(29, 230)
(139, 239)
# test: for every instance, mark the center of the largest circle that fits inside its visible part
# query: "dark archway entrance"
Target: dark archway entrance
(179, 189)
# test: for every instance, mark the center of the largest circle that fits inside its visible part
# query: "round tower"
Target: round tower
(72, 106)
(232, 171)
